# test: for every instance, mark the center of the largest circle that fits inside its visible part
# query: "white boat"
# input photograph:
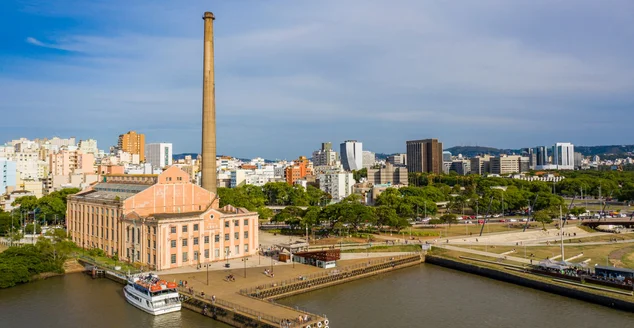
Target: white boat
(152, 295)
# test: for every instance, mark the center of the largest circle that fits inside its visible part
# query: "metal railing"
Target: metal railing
(94, 262)
(335, 273)
(239, 309)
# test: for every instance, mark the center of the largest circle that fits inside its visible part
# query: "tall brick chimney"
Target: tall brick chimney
(209, 108)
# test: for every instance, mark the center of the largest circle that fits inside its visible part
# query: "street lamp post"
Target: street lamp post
(245, 265)
(207, 266)
(271, 263)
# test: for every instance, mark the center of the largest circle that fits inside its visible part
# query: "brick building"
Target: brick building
(162, 221)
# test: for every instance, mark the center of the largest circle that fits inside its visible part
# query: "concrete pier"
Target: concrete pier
(248, 301)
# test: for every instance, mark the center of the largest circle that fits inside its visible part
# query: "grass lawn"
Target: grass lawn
(462, 229)
(623, 236)
(381, 249)
(106, 261)
(598, 254)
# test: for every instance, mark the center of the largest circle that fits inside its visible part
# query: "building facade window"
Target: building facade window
(184, 242)
(206, 239)
(195, 240)
(185, 259)
(217, 252)
(196, 227)
(206, 253)
(246, 222)
(217, 238)
(173, 243)
(184, 228)
(236, 223)
(237, 248)
(173, 258)
(226, 236)
(246, 235)
(172, 229)
(246, 248)
(236, 235)
(226, 224)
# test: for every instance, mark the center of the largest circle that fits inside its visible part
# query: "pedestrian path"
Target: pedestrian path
(483, 253)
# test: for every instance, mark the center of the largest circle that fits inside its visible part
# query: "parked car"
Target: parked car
(513, 220)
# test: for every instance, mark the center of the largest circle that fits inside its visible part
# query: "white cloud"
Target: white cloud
(405, 63)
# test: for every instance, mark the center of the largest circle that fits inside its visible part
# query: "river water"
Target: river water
(421, 296)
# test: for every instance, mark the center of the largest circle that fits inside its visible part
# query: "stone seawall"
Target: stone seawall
(615, 303)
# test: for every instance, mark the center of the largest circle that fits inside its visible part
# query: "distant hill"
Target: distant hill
(605, 150)
(471, 151)
(182, 156)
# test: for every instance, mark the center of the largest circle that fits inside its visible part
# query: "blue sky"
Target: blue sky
(293, 74)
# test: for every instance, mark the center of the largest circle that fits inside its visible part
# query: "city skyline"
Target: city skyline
(319, 72)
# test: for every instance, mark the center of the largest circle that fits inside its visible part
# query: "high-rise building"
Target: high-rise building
(133, 143)
(397, 159)
(65, 162)
(462, 167)
(506, 164)
(88, 146)
(325, 156)
(542, 156)
(424, 156)
(337, 184)
(369, 158)
(352, 155)
(578, 160)
(390, 174)
(297, 171)
(480, 164)
(159, 155)
(8, 172)
(446, 156)
(564, 156)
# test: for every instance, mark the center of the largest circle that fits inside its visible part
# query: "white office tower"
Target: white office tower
(564, 156)
(352, 155)
(159, 155)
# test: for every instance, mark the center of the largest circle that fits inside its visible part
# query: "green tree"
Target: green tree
(51, 207)
(7, 221)
(311, 217)
(359, 174)
(29, 229)
(386, 216)
(58, 234)
(449, 219)
(290, 215)
(316, 196)
(265, 213)
(543, 216)
(26, 203)
(576, 211)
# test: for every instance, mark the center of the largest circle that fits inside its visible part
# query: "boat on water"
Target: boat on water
(152, 295)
